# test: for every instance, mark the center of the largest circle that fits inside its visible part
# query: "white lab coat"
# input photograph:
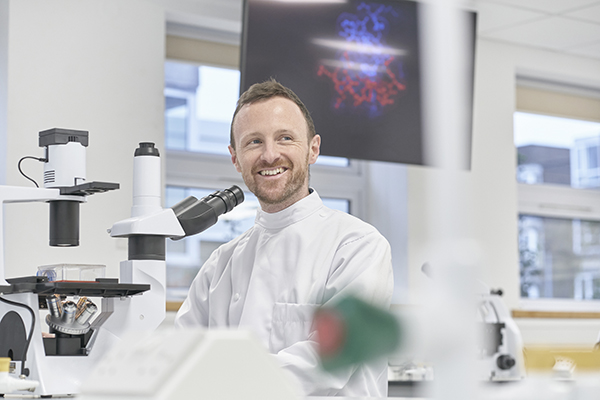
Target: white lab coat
(271, 278)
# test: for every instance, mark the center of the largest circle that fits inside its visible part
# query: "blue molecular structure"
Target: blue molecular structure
(369, 29)
(370, 76)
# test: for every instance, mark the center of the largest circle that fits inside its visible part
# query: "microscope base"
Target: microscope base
(58, 375)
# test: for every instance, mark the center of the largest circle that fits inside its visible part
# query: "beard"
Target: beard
(279, 191)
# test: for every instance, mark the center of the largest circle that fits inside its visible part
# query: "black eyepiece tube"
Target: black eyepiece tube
(196, 215)
(231, 197)
(64, 223)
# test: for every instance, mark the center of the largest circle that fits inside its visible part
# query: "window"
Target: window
(199, 102)
(556, 150)
(559, 258)
(558, 173)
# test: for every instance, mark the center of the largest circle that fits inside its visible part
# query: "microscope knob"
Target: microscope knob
(505, 362)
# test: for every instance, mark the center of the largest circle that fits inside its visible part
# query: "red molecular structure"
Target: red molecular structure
(359, 89)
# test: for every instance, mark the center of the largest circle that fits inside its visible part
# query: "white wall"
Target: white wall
(87, 65)
(3, 84)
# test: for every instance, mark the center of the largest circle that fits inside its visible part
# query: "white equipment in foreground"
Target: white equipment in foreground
(62, 362)
(501, 352)
(171, 364)
(498, 351)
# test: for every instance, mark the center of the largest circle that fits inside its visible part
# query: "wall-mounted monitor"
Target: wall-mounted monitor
(355, 64)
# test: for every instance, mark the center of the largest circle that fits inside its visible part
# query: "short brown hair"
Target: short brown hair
(266, 90)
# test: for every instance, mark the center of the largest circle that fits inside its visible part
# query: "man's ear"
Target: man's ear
(234, 158)
(314, 149)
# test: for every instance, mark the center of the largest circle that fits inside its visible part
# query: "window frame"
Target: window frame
(551, 200)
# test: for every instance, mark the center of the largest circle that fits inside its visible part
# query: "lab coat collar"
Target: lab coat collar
(294, 213)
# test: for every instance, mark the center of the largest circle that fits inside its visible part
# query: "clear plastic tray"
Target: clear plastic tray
(72, 272)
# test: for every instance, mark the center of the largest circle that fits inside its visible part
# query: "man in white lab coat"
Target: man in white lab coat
(298, 255)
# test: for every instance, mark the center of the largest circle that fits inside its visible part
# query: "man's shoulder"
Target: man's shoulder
(226, 249)
(349, 226)
(348, 220)
(233, 243)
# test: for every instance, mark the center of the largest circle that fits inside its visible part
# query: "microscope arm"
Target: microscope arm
(19, 194)
(160, 223)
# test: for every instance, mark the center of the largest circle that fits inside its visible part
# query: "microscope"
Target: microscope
(500, 352)
(80, 331)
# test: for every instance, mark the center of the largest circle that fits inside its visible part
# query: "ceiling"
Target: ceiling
(565, 26)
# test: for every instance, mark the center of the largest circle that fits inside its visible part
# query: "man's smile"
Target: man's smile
(272, 172)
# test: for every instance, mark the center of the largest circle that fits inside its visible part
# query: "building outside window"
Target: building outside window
(559, 215)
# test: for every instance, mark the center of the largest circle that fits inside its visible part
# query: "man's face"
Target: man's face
(272, 151)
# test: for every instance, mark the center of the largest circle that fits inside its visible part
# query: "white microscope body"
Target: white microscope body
(501, 350)
(147, 230)
(133, 303)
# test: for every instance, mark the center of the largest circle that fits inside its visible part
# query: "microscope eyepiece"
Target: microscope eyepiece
(196, 215)
(231, 197)
(146, 149)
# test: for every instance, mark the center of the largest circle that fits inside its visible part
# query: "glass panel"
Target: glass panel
(333, 161)
(199, 104)
(337, 204)
(176, 120)
(186, 256)
(557, 150)
(559, 258)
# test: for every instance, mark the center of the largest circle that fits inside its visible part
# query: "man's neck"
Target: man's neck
(277, 207)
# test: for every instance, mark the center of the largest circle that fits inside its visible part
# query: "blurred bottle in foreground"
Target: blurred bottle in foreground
(353, 331)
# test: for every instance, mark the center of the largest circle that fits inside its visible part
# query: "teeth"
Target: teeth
(272, 171)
